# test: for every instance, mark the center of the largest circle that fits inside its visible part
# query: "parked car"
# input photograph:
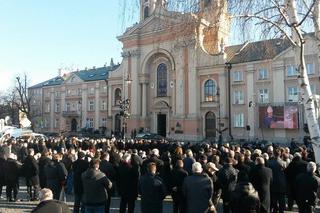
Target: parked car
(149, 136)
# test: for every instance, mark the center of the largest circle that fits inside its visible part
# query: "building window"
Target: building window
(91, 105)
(56, 123)
(91, 122)
(291, 71)
(91, 91)
(264, 96)
(104, 89)
(103, 122)
(47, 107)
(209, 90)
(68, 107)
(162, 80)
(79, 91)
(57, 109)
(103, 105)
(293, 94)
(310, 68)
(117, 96)
(263, 74)
(238, 97)
(68, 92)
(237, 76)
(57, 94)
(239, 120)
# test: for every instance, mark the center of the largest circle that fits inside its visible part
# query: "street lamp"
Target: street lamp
(219, 115)
(228, 66)
(124, 106)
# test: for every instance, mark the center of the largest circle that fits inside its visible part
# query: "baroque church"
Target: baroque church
(179, 78)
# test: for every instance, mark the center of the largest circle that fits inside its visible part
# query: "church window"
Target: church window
(209, 90)
(117, 96)
(162, 80)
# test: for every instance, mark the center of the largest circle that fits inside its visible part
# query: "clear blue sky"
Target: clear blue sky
(38, 37)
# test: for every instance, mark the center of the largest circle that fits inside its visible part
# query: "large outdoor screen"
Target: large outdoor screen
(279, 117)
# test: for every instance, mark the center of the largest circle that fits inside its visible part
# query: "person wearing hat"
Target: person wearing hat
(197, 190)
(211, 171)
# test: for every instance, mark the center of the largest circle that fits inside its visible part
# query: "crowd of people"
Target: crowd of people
(246, 178)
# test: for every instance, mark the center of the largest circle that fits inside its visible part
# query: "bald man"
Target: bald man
(48, 204)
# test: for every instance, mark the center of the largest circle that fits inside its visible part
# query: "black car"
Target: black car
(149, 136)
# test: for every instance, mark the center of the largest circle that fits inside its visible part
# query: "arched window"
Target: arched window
(146, 12)
(209, 90)
(117, 96)
(162, 80)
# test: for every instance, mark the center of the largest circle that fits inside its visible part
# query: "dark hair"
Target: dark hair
(152, 167)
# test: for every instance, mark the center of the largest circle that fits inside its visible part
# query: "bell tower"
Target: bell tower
(147, 7)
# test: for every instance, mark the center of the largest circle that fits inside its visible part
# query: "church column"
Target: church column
(109, 101)
(144, 100)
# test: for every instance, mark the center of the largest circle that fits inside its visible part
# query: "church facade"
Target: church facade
(178, 90)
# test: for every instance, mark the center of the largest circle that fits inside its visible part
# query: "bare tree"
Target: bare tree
(20, 97)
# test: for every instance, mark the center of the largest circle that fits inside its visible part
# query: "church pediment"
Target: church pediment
(155, 24)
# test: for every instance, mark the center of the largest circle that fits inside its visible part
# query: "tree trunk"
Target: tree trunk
(306, 94)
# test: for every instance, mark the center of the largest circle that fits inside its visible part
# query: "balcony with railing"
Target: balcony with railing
(73, 113)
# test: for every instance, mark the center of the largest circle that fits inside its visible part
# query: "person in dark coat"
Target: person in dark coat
(279, 182)
(154, 157)
(306, 189)
(128, 177)
(95, 188)
(2, 180)
(44, 160)
(30, 170)
(244, 198)
(11, 176)
(79, 166)
(261, 178)
(177, 177)
(47, 204)
(56, 175)
(227, 178)
(152, 191)
(197, 190)
(296, 167)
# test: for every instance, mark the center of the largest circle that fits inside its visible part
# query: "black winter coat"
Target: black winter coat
(227, 179)
(95, 186)
(177, 178)
(51, 206)
(261, 178)
(245, 199)
(2, 174)
(279, 183)
(306, 188)
(56, 175)
(12, 171)
(152, 191)
(43, 162)
(128, 178)
(79, 166)
(30, 170)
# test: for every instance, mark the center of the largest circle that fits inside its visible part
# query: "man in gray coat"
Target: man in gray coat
(197, 190)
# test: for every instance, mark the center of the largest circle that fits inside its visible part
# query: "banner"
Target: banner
(279, 117)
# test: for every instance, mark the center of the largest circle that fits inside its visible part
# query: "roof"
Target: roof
(52, 82)
(94, 74)
(256, 51)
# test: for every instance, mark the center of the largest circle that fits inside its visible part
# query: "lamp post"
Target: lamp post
(219, 115)
(124, 106)
(228, 66)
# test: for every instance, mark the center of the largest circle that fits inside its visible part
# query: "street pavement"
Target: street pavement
(23, 205)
